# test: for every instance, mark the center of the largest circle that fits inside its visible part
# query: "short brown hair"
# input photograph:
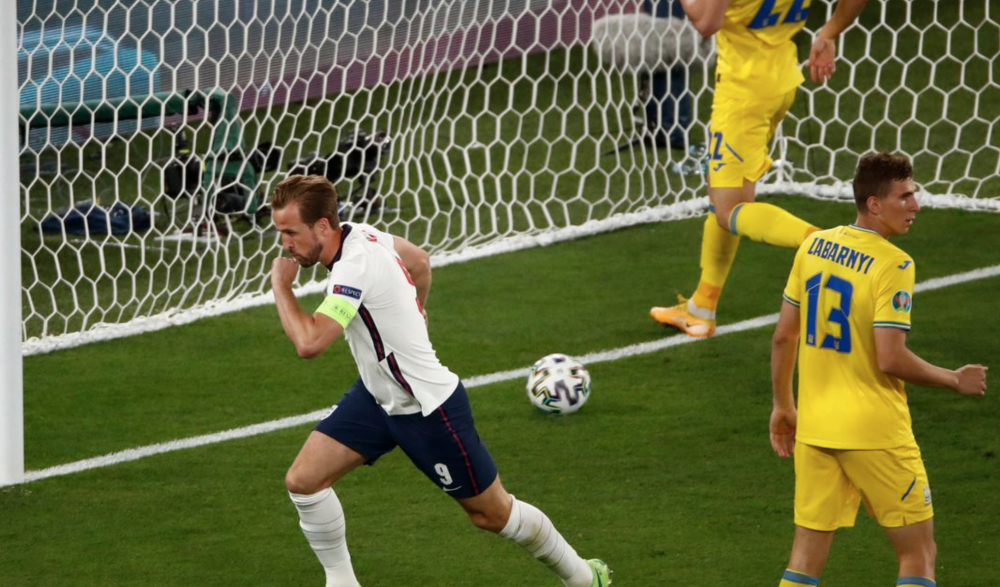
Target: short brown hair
(875, 174)
(315, 195)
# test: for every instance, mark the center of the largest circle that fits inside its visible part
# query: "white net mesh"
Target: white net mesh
(153, 130)
(915, 77)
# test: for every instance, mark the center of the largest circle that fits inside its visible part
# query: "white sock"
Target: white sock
(533, 531)
(321, 518)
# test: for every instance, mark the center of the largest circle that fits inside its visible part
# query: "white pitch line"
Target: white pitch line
(949, 280)
(644, 348)
(134, 454)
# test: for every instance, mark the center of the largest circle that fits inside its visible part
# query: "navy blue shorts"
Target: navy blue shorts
(444, 445)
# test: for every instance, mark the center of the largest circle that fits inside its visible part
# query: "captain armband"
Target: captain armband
(337, 309)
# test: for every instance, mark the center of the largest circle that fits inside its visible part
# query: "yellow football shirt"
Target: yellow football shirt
(846, 282)
(756, 55)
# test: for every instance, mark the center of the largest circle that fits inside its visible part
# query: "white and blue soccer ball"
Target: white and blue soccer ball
(558, 384)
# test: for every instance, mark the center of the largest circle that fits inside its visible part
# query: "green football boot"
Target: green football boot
(602, 574)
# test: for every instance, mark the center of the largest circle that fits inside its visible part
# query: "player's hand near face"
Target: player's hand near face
(783, 423)
(972, 380)
(283, 272)
(822, 59)
(311, 334)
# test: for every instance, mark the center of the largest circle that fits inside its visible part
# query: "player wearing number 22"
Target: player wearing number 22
(846, 312)
(405, 397)
(756, 79)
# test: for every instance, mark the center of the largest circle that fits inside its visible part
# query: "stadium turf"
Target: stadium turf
(667, 473)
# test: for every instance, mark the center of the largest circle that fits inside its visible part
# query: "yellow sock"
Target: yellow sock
(915, 582)
(718, 249)
(796, 579)
(769, 224)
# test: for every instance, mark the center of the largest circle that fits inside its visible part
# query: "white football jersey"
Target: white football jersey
(371, 294)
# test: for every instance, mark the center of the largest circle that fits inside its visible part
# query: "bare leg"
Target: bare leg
(810, 551)
(490, 510)
(320, 463)
(915, 549)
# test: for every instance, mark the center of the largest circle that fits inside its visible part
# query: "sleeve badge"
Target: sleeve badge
(902, 301)
(344, 290)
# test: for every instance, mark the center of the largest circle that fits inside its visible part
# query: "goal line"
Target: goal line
(680, 210)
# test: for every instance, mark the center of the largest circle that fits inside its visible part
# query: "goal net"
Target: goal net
(153, 131)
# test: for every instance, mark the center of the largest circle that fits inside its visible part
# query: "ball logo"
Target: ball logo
(902, 302)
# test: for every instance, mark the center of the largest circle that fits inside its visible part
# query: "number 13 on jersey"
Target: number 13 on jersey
(817, 290)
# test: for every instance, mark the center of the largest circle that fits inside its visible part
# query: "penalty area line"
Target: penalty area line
(644, 348)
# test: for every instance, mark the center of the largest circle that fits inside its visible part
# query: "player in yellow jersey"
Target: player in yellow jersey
(846, 313)
(755, 83)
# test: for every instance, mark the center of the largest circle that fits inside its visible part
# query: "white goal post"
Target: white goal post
(152, 131)
(11, 396)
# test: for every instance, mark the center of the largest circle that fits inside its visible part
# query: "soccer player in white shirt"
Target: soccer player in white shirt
(405, 397)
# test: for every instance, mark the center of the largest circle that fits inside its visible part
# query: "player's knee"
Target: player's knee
(722, 217)
(490, 515)
(489, 521)
(297, 481)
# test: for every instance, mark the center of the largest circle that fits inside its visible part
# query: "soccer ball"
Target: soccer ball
(558, 384)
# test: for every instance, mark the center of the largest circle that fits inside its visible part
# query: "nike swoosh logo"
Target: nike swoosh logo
(447, 490)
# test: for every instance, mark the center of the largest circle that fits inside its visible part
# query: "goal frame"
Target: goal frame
(11, 366)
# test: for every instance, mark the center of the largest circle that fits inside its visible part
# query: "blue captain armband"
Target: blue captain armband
(337, 309)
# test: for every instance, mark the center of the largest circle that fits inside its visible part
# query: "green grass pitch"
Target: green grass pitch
(667, 473)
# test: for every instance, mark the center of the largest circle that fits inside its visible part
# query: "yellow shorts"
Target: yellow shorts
(740, 132)
(829, 484)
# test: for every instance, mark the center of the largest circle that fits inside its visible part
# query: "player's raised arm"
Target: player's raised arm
(418, 264)
(784, 347)
(706, 15)
(823, 54)
(897, 360)
(311, 334)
